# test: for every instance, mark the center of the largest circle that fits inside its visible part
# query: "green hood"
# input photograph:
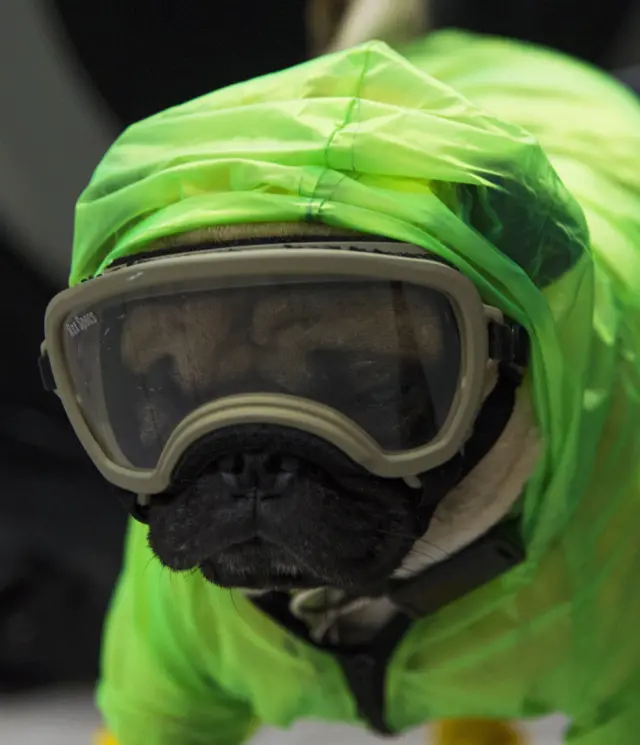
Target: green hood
(367, 140)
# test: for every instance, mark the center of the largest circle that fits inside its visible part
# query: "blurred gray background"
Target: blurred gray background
(72, 75)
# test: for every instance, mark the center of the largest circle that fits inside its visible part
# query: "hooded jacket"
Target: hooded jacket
(522, 168)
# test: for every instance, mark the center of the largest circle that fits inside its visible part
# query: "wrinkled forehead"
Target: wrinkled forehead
(296, 318)
(304, 316)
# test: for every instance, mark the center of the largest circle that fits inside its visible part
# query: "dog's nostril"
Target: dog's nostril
(272, 463)
(277, 463)
(290, 464)
(231, 464)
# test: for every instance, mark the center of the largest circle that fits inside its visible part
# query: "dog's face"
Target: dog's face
(263, 506)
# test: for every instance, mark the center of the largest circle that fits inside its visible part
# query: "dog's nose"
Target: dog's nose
(261, 475)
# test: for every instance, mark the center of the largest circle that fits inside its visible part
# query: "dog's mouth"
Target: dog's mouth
(232, 549)
(258, 564)
(262, 563)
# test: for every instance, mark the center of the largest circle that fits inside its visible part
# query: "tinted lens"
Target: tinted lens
(386, 355)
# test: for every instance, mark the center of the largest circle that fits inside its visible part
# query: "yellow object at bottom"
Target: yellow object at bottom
(448, 732)
(475, 732)
(103, 738)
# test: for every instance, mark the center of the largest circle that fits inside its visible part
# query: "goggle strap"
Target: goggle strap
(508, 343)
(491, 556)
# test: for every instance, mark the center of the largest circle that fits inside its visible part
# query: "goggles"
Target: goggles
(375, 347)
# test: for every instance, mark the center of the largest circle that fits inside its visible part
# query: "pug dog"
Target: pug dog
(265, 508)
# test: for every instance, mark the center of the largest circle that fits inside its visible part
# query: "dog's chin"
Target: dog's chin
(258, 578)
(257, 564)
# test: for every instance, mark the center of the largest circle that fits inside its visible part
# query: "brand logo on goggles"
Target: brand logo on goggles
(80, 323)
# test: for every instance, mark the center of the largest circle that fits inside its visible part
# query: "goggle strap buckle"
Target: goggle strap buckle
(508, 343)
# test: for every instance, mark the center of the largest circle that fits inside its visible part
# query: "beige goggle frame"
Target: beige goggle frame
(392, 262)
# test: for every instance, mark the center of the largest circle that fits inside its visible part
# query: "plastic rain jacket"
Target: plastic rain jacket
(522, 168)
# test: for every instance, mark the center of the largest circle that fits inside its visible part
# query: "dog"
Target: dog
(334, 526)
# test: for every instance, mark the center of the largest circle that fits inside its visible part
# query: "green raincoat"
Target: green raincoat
(470, 149)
